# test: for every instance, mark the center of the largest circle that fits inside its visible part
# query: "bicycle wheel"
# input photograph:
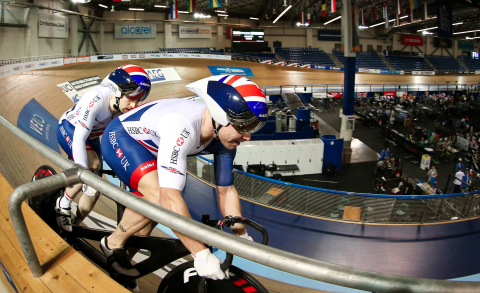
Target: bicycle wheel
(44, 204)
(239, 282)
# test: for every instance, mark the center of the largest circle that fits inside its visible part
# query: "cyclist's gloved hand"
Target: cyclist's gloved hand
(245, 236)
(208, 265)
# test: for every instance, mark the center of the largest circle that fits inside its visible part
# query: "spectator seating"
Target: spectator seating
(370, 60)
(305, 56)
(445, 63)
(408, 63)
(364, 60)
(472, 64)
(208, 50)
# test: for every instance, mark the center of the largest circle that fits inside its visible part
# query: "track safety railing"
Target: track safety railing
(272, 257)
(330, 204)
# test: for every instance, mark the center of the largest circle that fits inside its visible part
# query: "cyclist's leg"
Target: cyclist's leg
(90, 195)
(137, 168)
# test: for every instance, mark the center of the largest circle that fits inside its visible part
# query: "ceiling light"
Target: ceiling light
(138, 9)
(377, 24)
(286, 9)
(221, 11)
(183, 11)
(254, 18)
(466, 32)
(299, 24)
(426, 29)
(362, 27)
(222, 14)
(403, 17)
(104, 6)
(458, 23)
(161, 6)
(306, 24)
(427, 33)
(284, 3)
(336, 18)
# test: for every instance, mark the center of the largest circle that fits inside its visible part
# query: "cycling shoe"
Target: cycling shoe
(117, 258)
(64, 218)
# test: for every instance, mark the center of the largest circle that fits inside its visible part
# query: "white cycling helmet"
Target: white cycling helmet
(233, 100)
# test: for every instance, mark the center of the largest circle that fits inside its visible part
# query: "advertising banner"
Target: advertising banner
(410, 40)
(390, 94)
(75, 60)
(162, 74)
(35, 120)
(424, 72)
(76, 88)
(194, 31)
(465, 45)
(52, 26)
(240, 71)
(444, 19)
(329, 35)
(135, 31)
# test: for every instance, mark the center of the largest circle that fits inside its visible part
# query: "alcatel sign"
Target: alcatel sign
(135, 30)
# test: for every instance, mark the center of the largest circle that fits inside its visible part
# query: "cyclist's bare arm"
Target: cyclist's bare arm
(172, 199)
(229, 203)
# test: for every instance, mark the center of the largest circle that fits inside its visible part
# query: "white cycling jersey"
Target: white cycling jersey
(90, 116)
(170, 129)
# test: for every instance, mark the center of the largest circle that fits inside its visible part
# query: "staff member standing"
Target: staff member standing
(458, 184)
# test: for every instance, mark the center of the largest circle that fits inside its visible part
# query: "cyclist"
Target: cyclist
(147, 148)
(80, 128)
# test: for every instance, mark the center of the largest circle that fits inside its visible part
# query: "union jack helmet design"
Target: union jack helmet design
(233, 100)
(129, 80)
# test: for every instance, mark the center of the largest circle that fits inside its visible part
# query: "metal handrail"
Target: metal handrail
(272, 257)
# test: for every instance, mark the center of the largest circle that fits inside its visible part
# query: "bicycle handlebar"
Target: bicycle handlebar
(229, 221)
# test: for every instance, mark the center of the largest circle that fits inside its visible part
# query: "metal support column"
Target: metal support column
(348, 120)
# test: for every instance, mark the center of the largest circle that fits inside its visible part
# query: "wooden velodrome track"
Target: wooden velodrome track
(18, 161)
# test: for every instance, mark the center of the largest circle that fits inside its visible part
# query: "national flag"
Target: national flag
(397, 20)
(174, 9)
(214, 3)
(308, 15)
(399, 7)
(362, 17)
(117, 0)
(374, 14)
(192, 6)
(424, 11)
(324, 10)
(385, 13)
(334, 6)
(410, 15)
(302, 18)
(413, 4)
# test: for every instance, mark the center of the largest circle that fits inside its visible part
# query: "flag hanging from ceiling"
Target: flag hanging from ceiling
(413, 4)
(214, 3)
(410, 15)
(399, 7)
(398, 12)
(303, 18)
(324, 9)
(174, 9)
(334, 6)
(424, 11)
(374, 14)
(362, 17)
(385, 13)
(117, 0)
(308, 15)
(192, 6)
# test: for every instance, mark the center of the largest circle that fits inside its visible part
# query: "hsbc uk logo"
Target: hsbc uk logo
(176, 148)
(118, 151)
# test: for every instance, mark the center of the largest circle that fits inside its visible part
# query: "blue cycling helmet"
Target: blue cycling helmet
(233, 100)
(129, 80)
